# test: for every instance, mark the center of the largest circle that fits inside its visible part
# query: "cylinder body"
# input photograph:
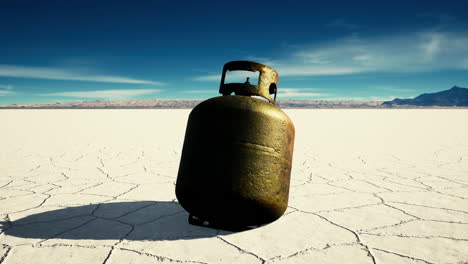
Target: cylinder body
(236, 161)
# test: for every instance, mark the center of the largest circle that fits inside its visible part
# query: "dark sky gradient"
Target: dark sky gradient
(364, 50)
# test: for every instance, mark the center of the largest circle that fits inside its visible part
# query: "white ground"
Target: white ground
(368, 186)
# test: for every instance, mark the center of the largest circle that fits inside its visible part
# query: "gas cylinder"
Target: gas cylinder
(236, 159)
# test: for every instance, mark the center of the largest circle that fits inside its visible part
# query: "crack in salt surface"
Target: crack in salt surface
(66, 245)
(120, 241)
(403, 256)
(375, 185)
(161, 258)
(341, 208)
(308, 250)
(355, 234)
(362, 231)
(433, 207)
(73, 228)
(8, 249)
(242, 250)
(6, 184)
(161, 217)
(369, 254)
(86, 188)
(411, 236)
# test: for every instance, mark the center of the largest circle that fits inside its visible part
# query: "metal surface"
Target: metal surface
(236, 160)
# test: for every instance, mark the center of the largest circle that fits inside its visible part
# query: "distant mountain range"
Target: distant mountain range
(456, 96)
(188, 104)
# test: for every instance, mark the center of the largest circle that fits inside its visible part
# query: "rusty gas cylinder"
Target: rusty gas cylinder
(237, 155)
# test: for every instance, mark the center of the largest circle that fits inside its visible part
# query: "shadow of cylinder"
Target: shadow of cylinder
(143, 220)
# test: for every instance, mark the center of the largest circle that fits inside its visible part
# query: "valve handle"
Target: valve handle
(267, 80)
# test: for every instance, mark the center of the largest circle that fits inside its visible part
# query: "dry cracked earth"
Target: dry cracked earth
(368, 186)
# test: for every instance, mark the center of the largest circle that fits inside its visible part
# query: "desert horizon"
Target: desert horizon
(454, 98)
(191, 103)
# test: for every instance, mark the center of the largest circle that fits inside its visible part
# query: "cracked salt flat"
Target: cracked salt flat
(367, 186)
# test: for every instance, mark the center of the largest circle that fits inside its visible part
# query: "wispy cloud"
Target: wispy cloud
(362, 98)
(5, 92)
(299, 92)
(423, 51)
(106, 94)
(201, 91)
(69, 75)
(282, 92)
(417, 52)
(263, 60)
(6, 89)
(293, 70)
(209, 78)
(306, 70)
(6, 86)
(393, 89)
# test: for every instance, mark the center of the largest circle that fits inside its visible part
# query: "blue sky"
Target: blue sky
(61, 51)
